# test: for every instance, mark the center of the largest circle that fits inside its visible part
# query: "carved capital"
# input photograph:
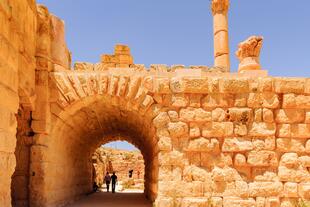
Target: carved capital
(219, 6)
(248, 53)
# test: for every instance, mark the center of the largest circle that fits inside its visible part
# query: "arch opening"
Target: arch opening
(125, 160)
(76, 133)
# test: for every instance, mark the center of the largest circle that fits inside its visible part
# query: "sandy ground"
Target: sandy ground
(123, 199)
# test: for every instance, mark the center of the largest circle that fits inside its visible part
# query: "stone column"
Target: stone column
(248, 53)
(220, 32)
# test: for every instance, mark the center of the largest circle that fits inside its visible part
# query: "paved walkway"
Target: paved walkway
(102, 199)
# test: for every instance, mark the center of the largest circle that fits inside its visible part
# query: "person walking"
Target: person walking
(114, 181)
(107, 179)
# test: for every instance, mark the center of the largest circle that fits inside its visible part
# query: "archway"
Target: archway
(61, 165)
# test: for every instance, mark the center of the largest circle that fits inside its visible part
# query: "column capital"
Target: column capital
(219, 6)
(248, 53)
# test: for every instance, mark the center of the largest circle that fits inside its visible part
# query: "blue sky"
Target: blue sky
(180, 31)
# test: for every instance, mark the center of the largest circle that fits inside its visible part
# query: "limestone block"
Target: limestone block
(218, 100)
(218, 129)
(262, 158)
(7, 141)
(218, 115)
(243, 115)
(59, 51)
(164, 202)
(173, 115)
(290, 115)
(288, 202)
(162, 85)
(194, 173)
(304, 161)
(237, 145)
(194, 101)
(194, 202)
(234, 85)
(267, 143)
(307, 146)
(211, 159)
(290, 190)
(293, 175)
(263, 189)
(260, 202)
(174, 158)
(240, 129)
(258, 115)
(289, 85)
(194, 130)
(240, 160)
(178, 129)
(307, 118)
(273, 202)
(203, 145)
(164, 143)
(179, 100)
(238, 202)
(304, 190)
(266, 100)
(289, 160)
(290, 145)
(296, 101)
(300, 130)
(284, 130)
(262, 129)
(194, 85)
(161, 120)
(194, 115)
(268, 116)
(241, 100)
(84, 66)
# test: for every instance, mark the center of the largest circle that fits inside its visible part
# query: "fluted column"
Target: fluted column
(220, 32)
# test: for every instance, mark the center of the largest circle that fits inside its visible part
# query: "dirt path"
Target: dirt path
(102, 199)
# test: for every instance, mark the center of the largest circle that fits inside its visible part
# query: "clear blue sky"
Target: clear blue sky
(180, 31)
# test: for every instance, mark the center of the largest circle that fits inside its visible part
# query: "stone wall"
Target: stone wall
(17, 83)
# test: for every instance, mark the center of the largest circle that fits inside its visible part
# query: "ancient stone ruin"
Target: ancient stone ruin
(208, 137)
(121, 162)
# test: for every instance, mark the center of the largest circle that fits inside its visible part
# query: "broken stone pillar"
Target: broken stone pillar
(248, 53)
(220, 29)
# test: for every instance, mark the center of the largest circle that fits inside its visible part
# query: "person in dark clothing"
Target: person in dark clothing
(130, 173)
(95, 187)
(107, 179)
(114, 181)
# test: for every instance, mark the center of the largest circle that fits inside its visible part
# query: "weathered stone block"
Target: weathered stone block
(289, 85)
(290, 116)
(195, 115)
(265, 189)
(204, 145)
(262, 129)
(290, 190)
(218, 129)
(218, 100)
(178, 129)
(237, 145)
(262, 158)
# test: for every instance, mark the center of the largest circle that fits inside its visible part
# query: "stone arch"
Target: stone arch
(88, 109)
